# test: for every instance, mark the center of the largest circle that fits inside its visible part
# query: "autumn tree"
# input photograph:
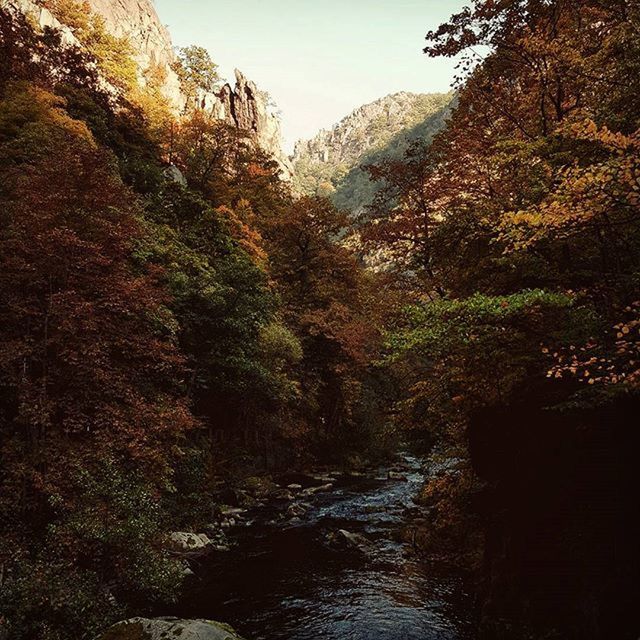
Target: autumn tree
(401, 224)
(530, 196)
(333, 306)
(197, 72)
(93, 406)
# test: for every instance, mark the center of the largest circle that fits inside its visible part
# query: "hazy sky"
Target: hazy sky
(319, 59)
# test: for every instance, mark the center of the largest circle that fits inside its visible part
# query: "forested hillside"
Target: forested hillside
(517, 234)
(183, 339)
(169, 314)
(333, 164)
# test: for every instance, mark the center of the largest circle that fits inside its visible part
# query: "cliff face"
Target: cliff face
(367, 128)
(42, 18)
(138, 21)
(330, 163)
(242, 105)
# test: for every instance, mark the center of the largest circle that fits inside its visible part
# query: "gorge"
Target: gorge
(384, 388)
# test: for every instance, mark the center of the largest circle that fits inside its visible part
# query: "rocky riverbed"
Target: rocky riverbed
(325, 556)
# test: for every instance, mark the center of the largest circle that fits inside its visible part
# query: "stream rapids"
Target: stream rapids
(282, 580)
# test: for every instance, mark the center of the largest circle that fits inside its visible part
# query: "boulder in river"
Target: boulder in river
(282, 495)
(296, 510)
(325, 478)
(396, 475)
(228, 511)
(168, 628)
(313, 490)
(193, 544)
(343, 539)
(258, 487)
(235, 497)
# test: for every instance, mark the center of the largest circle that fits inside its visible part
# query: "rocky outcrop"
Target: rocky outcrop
(245, 106)
(242, 105)
(368, 127)
(163, 628)
(41, 17)
(138, 21)
(397, 475)
(173, 174)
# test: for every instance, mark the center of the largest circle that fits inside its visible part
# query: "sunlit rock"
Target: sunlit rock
(163, 628)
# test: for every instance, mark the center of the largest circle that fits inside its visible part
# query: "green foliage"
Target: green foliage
(221, 299)
(445, 326)
(462, 354)
(189, 503)
(68, 584)
(197, 71)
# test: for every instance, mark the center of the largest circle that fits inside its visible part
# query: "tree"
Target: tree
(333, 305)
(197, 72)
(93, 408)
(115, 56)
(401, 223)
(532, 210)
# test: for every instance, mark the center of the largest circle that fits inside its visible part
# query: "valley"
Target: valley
(385, 387)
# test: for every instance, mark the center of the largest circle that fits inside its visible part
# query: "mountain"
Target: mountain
(138, 21)
(332, 162)
(242, 105)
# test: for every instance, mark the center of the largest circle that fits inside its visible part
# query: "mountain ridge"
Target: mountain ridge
(331, 161)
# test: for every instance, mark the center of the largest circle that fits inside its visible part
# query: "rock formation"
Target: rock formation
(243, 105)
(138, 21)
(161, 628)
(42, 18)
(368, 127)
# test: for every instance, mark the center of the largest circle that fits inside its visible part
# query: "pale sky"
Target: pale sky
(319, 59)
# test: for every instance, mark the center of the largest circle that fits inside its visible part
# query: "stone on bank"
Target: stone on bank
(168, 629)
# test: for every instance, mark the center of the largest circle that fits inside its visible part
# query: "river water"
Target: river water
(283, 581)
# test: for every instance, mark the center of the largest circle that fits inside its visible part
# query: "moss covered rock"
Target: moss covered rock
(169, 629)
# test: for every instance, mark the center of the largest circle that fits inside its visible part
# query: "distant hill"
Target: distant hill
(331, 163)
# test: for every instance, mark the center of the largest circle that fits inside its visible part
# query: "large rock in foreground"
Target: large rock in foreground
(169, 629)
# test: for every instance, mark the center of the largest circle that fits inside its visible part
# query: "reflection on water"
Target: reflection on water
(283, 582)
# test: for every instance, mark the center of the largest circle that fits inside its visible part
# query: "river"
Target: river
(283, 581)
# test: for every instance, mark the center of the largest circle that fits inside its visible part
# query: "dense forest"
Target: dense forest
(177, 323)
